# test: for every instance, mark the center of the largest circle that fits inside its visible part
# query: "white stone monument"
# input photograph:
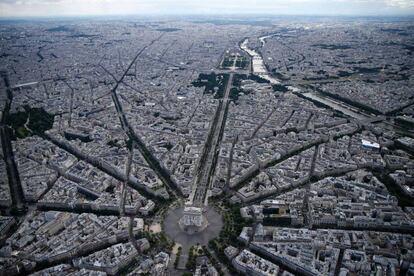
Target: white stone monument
(193, 220)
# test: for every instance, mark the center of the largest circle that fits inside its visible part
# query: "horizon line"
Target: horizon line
(249, 15)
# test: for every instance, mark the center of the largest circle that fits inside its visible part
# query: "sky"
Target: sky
(53, 8)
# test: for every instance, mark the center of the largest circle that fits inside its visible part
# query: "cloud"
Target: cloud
(400, 3)
(108, 7)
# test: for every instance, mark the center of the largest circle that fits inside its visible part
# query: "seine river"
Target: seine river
(259, 68)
